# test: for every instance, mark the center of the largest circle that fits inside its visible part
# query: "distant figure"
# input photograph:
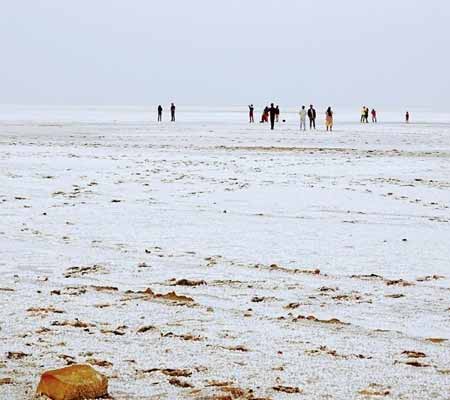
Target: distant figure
(277, 113)
(407, 117)
(172, 112)
(160, 110)
(273, 115)
(363, 114)
(265, 115)
(329, 119)
(251, 111)
(303, 118)
(374, 116)
(312, 117)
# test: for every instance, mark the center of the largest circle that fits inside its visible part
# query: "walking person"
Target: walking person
(312, 115)
(303, 118)
(273, 115)
(160, 110)
(407, 117)
(374, 116)
(251, 111)
(277, 114)
(172, 112)
(329, 119)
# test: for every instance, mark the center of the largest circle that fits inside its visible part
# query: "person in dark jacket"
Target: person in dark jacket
(172, 112)
(273, 115)
(277, 115)
(251, 111)
(312, 115)
(160, 110)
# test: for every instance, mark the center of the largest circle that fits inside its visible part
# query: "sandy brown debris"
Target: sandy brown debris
(183, 373)
(16, 355)
(430, 278)
(332, 321)
(99, 363)
(145, 329)
(287, 389)
(180, 383)
(436, 340)
(414, 354)
(74, 324)
(375, 390)
(187, 282)
(105, 288)
(75, 272)
(44, 310)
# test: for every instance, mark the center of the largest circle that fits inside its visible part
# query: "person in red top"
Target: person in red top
(374, 115)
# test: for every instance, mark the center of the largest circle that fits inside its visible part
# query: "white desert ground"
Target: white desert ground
(211, 259)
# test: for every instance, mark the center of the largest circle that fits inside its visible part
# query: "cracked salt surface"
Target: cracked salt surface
(325, 272)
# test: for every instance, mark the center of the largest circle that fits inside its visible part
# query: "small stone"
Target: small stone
(76, 382)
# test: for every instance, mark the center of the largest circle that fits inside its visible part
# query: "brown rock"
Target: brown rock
(76, 382)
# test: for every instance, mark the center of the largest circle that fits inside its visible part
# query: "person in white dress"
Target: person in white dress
(303, 118)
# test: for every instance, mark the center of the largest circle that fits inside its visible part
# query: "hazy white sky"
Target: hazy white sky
(341, 52)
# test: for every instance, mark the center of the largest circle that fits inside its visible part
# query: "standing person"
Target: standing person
(312, 115)
(303, 118)
(251, 111)
(172, 112)
(363, 114)
(374, 115)
(407, 117)
(277, 113)
(329, 119)
(366, 116)
(273, 115)
(160, 110)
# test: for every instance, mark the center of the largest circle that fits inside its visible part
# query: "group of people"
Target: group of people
(172, 112)
(272, 113)
(373, 113)
(312, 116)
(365, 115)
